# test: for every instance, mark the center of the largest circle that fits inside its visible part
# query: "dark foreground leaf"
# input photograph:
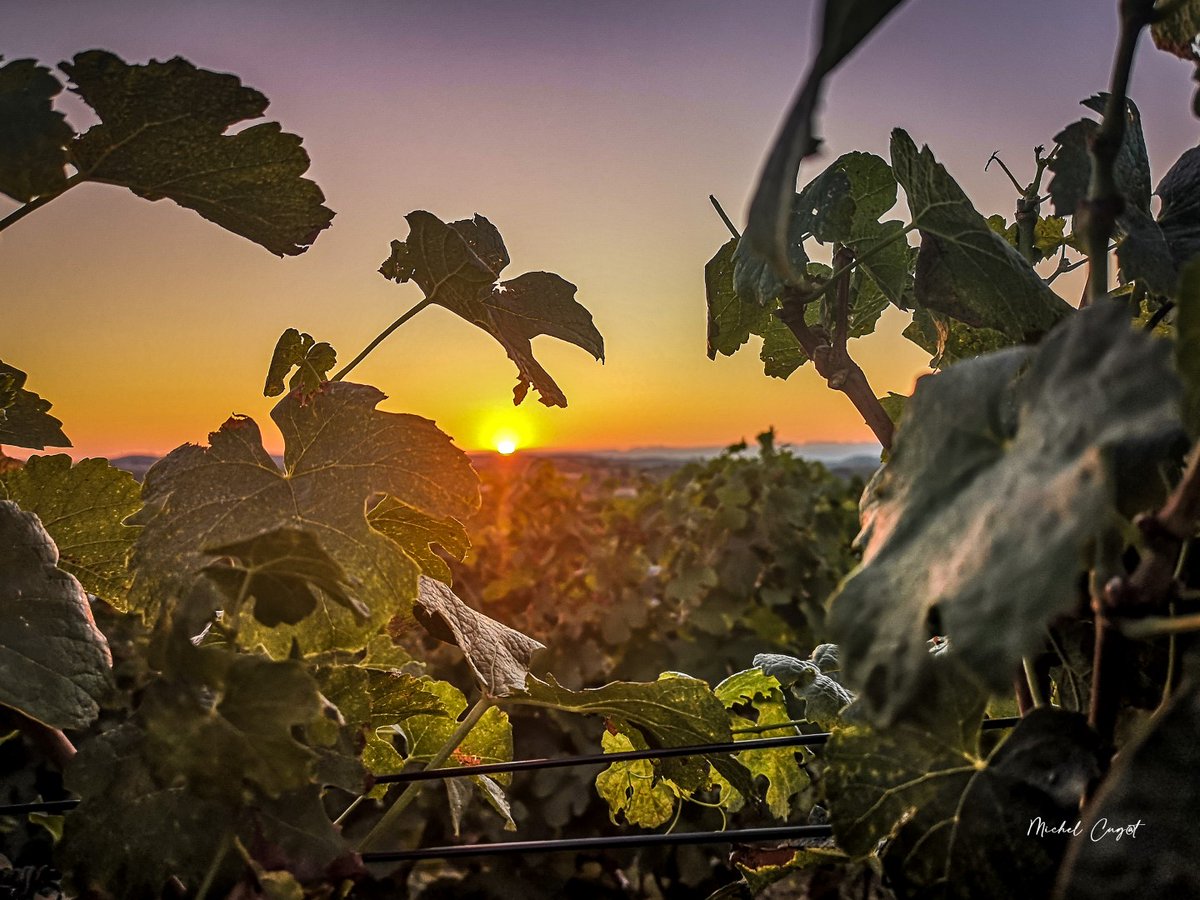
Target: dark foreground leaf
(1006, 469)
(54, 662)
(25, 419)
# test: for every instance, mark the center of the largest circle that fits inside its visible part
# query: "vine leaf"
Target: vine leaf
(311, 359)
(33, 136)
(1176, 31)
(25, 419)
(54, 662)
(844, 26)
(162, 133)
(823, 695)
(1155, 251)
(339, 453)
(948, 340)
(977, 526)
(490, 741)
(673, 711)
(759, 694)
(1072, 164)
(964, 269)
(498, 656)
(1143, 793)
(632, 789)
(280, 570)
(959, 825)
(458, 267)
(83, 508)
(417, 534)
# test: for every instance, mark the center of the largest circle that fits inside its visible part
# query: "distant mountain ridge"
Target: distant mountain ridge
(841, 457)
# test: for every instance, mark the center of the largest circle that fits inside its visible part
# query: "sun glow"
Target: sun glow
(506, 444)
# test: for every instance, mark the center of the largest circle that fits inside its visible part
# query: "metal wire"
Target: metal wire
(524, 765)
(746, 835)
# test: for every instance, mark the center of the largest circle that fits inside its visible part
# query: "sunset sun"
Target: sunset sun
(506, 445)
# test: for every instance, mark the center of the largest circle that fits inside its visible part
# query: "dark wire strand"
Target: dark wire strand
(506, 848)
(525, 765)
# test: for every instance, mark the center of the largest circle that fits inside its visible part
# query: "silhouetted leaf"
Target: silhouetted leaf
(1072, 164)
(498, 655)
(162, 133)
(964, 269)
(978, 525)
(24, 416)
(54, 661)
(458, 267)
(312, 361)
(844, 26)
(83, 508)
(339, 453)
(279, 570)
(33, 136)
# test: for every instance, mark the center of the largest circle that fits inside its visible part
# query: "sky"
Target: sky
(589, 133)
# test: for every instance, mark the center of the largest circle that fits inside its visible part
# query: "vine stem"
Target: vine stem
(1098, 213)
(38, 202)
(379, 339)
(211, 875)
(724, 218)
(1035, 687)
(383, 828)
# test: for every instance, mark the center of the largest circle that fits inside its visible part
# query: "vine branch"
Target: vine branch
(379, 339)
(38, 202)
(1097, 215)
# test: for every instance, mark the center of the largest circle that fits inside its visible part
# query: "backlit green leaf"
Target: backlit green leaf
(458, 266)
(33, 136)
(1005, 471)
(632, 789)
(674, 711)
(83, 508)
(54, 662)
(965, 270)
(418, 534)
(162, 133)
(339, 453)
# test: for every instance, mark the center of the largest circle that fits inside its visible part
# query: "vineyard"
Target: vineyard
(366, 666)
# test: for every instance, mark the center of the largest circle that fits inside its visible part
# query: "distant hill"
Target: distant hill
(846, 460)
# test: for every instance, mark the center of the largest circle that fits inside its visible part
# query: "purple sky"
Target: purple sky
(589, 133)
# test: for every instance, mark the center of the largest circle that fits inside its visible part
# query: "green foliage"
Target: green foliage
(83, 508)
(1177, 29)
(53, 660)
(458, 266)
